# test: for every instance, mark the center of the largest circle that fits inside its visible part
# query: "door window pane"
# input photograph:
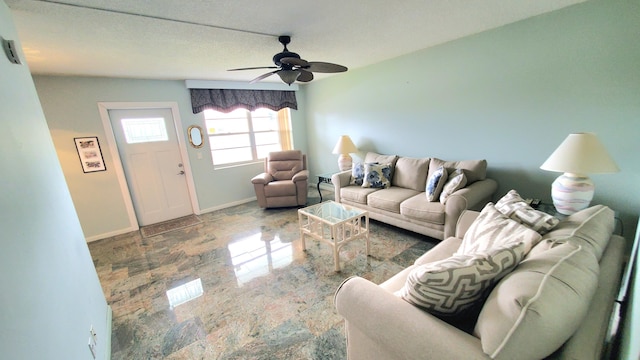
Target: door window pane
(144, 130)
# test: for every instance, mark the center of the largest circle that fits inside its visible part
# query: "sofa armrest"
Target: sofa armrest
(302, 175)
(464, 222)
(340, 180)
(263, 178)
(399, 327)
(472, 197)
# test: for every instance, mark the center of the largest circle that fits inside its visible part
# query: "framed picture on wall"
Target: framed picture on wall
(90, 154)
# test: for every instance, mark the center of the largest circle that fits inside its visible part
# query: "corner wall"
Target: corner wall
(50, 293)
(509, 95)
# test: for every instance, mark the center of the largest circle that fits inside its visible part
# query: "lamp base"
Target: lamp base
(345, 162)
(572, 193)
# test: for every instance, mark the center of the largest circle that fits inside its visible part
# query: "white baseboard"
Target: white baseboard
(112, 233)
(107, 336)
(227, 205)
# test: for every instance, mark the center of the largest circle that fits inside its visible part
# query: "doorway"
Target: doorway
(150, 157)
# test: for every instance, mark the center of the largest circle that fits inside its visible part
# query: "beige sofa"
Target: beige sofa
(405, 204)
(555, 304)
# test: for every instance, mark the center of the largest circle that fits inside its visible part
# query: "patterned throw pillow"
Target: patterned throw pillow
(514, 206)
(357, 174)
(457, 180)
(435, 183)
(492, 229)
(449, 287)
(377, 176)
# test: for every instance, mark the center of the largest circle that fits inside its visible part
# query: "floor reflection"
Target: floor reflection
(184, 293)
(257, 255)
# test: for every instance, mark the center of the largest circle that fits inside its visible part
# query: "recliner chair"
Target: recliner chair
(284, 181)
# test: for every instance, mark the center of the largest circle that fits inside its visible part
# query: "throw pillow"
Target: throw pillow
(493, 229)
(357, 174)
(377, 176)
(457, 180)
(514, 206)
(451, 286)
(436, 183)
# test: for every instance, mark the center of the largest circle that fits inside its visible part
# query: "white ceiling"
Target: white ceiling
(201, 39)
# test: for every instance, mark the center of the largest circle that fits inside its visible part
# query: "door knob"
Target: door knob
(181, 172)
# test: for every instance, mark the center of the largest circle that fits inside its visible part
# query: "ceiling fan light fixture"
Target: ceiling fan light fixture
(289, 76)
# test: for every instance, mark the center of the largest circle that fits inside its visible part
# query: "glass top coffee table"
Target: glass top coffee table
(335, 224)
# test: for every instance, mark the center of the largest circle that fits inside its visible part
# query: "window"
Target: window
(244, 136)
(144, 130)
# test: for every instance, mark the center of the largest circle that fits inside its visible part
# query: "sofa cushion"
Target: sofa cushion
(377, 175)
(537, 307)
(411, 173)
(514, 206)
(435, 183)
(474, 170)
(390, 199)
(456, 181)
(451, 286)
(418, 207)
(591, 227)
(372, 157)
(491, 229)
(356, 194)
(357, 174)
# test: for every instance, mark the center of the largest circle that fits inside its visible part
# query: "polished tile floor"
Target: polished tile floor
(238, 286)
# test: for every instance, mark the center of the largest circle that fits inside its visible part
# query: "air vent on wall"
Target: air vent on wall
(11, 51)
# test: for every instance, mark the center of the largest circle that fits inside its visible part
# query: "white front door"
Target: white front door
(150, 155)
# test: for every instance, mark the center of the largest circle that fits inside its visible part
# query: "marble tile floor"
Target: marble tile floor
(256, 294)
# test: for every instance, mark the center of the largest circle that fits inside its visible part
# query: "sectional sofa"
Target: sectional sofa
(403, 201)
(556, 303)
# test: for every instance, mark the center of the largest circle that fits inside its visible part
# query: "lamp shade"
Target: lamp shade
(345, 146)
(581, 153)
(288, 76)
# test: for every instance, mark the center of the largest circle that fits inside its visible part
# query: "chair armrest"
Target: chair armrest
(340, 180)
(263, 178)
(400, 327)
(472, 197)
(302, 175)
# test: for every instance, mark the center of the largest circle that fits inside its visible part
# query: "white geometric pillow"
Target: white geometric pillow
(514, 206)
(492, 229)
(449, 287)
(457, 180)
(435, 183)
(377, 176)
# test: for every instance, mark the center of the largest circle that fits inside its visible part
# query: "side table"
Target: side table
(324, 178)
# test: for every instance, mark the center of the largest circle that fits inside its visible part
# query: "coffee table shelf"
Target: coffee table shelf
(335, 224)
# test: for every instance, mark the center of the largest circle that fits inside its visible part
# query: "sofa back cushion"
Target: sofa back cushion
(474, 170)
(537, 307)
(411, 173)
(372, 158)
(591, 227)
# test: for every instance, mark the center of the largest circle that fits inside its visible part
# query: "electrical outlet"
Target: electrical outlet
(93, 341)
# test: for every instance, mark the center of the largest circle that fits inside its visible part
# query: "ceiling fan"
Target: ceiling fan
(290, 67)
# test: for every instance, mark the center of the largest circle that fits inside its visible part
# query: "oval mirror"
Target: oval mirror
(195, 136)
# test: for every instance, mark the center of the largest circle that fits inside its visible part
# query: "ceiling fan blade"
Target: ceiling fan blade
(305, 76)
(325, 67)
(263, 76)
(294, 61)
(254, 68)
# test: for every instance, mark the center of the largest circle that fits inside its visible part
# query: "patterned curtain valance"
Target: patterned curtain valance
(226, 100)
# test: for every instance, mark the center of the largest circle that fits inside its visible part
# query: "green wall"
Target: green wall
(71, 106)
(50, 293)
(509, 95)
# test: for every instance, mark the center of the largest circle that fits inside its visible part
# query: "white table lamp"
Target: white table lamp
(578, 155)
(344, 147)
